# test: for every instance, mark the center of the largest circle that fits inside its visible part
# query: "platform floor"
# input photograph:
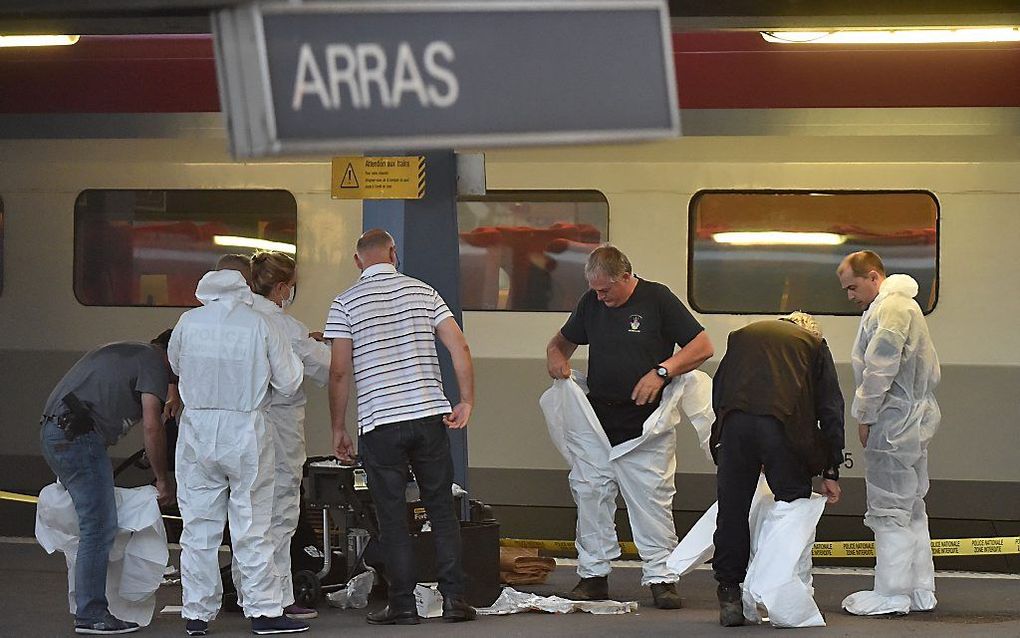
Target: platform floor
(33, 587)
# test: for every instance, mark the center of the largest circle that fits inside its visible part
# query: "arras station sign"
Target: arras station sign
(321, 77)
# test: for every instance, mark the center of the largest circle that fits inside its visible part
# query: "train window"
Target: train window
(150, 247)
(525, 250)
(766, 252)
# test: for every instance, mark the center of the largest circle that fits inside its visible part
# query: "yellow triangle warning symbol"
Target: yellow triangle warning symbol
(350, 179)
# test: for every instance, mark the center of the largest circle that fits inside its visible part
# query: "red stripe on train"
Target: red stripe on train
(715, 70)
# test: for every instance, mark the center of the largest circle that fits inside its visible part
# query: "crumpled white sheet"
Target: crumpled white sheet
(137, 559)
(511, 601)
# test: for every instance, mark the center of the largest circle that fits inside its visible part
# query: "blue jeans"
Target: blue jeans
(84, 469)
(387, 451)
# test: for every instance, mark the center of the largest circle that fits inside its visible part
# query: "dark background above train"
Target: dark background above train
(192, 16)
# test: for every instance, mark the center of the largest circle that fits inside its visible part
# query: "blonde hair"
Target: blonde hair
(269, 268)
(607, 260)
(805, 321)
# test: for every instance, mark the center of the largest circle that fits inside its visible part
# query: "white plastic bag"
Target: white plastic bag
(354, 595)
(428, 600)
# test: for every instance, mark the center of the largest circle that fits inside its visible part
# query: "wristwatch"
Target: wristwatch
(831, 474)
(662, 372)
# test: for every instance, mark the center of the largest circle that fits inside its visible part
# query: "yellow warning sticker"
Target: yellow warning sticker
(358, 177)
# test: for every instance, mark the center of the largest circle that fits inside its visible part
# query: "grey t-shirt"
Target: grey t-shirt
(110, 381)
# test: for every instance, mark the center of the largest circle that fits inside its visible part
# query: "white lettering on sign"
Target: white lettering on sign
(361, 74)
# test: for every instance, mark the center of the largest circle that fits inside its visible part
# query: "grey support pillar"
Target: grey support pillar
(427, 243)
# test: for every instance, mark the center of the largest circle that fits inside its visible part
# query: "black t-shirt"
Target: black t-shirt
(628, 341)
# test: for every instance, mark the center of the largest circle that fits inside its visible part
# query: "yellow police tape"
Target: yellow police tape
(21, 498)
(829, 549)
(28, 498)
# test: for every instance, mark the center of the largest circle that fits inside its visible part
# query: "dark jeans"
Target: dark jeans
(386, 452)
(84, 469)
(747, 443)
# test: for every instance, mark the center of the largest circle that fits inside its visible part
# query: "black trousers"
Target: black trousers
(621, 420)
(748, 443)
(386, 452)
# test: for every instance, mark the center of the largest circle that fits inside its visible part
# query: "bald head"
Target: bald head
(375, 246)
(240, 263)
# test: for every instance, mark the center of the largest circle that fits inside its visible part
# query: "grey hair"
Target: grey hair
(805, 321)
(607, 260)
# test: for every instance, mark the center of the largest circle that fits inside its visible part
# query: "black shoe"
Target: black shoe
(386, 617)
(731, 607)
(665, 596)
(106, 627)
(263, 625)
(196, 627)
(594, 588)
(456, 610)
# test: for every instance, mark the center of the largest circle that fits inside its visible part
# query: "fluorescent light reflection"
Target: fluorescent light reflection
(778, 238)
(894, 36)
(254, 242)
(37, 40)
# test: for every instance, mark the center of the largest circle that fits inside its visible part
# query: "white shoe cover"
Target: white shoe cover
(870, 603)
(922, 600)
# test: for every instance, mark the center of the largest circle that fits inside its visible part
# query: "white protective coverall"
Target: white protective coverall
(641, 469)
(286, 418)
(779, 573)
(896, 371)
(227, 355)
(139, 552)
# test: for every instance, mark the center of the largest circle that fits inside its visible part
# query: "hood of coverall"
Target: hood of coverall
(227, 286)
(897, 285)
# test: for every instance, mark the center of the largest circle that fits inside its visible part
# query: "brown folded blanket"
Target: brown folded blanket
(520, 566)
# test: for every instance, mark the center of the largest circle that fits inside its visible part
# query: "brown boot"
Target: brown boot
(731, 608)
(665, 595)
(594, 588)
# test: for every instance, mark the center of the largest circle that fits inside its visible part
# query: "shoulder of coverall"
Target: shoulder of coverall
(263, 305)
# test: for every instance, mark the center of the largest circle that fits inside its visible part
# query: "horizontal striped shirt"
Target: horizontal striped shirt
(391, 320)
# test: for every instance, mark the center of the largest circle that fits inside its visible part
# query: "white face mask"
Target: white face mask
(290, 298)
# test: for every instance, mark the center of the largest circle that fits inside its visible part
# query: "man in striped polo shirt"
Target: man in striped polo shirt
(383, 330)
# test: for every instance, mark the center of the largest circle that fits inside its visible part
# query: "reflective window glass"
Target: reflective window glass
(150, 247)
(525, 250)
(776, 252)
